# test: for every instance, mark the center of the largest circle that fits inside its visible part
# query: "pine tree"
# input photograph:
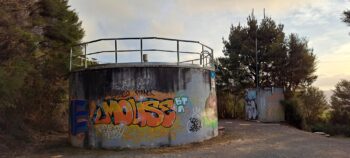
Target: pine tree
(36, 37)
(340, 101)
(282, 62)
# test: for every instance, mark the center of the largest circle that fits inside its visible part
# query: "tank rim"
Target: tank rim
(137, 64)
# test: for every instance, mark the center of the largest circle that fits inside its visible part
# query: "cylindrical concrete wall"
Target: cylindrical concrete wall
(142, 105)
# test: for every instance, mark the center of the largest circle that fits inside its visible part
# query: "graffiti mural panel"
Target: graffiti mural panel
(78, 116)
(250, 105)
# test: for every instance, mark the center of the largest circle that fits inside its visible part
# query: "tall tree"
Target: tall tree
(18, 43)
(280, 61)
(36, 36)
(313, 104)
(300, 68)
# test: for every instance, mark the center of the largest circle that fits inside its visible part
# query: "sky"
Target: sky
(209, 21)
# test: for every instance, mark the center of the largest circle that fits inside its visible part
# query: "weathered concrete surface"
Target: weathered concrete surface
(142, 105)
(265, 105)
(269, 106)
(240, 139)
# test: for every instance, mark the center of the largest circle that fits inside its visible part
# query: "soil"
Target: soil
(238, 139)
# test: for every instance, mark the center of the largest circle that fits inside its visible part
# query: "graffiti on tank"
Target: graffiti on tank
(180, 103)
(194, 124)
(79, 116)
(149, 112)
(212, 79)
(251, 107)
(141, 86)
(120, 89)
(144, 86)
(144, 92)
(210, 118)
(111, 131)
(144, 83)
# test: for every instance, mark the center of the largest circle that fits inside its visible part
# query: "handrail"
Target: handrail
(205, 53)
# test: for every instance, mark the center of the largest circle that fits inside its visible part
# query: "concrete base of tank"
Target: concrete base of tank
(142, 105)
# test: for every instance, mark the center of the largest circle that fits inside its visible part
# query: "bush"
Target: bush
(340, 103)
(332, 129)
(292, 112)
(230, 106)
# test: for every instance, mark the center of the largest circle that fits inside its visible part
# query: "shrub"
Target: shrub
(230, 106)
(332, 129)
(292, 112)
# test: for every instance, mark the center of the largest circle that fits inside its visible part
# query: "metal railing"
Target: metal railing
(205, 59)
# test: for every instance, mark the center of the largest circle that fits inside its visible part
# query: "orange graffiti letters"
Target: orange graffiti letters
(150, 113)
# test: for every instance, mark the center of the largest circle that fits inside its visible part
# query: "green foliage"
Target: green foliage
(36, 37)
(340, 101)
(292, 110)
(337, 120)
(282, 62)
(12, 79)
(230, 106)
(313, 105)
(332, 129)
(306, 108)
(346, 17)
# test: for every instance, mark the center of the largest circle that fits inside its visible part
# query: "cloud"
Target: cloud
(239, 6)
(337, 62)
(327, 82)
(333, 66)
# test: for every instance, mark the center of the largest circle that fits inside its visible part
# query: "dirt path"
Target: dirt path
(240, 139)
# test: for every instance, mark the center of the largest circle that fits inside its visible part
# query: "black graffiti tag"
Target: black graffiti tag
(194, 124)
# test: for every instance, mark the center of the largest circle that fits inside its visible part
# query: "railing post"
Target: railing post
(85, 64)
(116, 51)
(206, 60)
(70, 59)
(178, 53)
(141, 49)
(202, 56)
(212, 58)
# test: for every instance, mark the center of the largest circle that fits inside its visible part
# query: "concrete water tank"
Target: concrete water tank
(145, 104)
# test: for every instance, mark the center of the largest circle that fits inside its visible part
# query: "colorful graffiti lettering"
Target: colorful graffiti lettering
(78, 117)
(150, 112)
(180, 103)
(212, 79)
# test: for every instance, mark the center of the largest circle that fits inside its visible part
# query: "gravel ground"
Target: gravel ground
(239, 139)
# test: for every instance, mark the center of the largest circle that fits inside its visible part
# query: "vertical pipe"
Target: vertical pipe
(116, 51)
(178, 53)
(212, 57)
(201, 58)
(256, 60)
(85, 65)
(141, 50)
(70, 59)
(206, 61)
